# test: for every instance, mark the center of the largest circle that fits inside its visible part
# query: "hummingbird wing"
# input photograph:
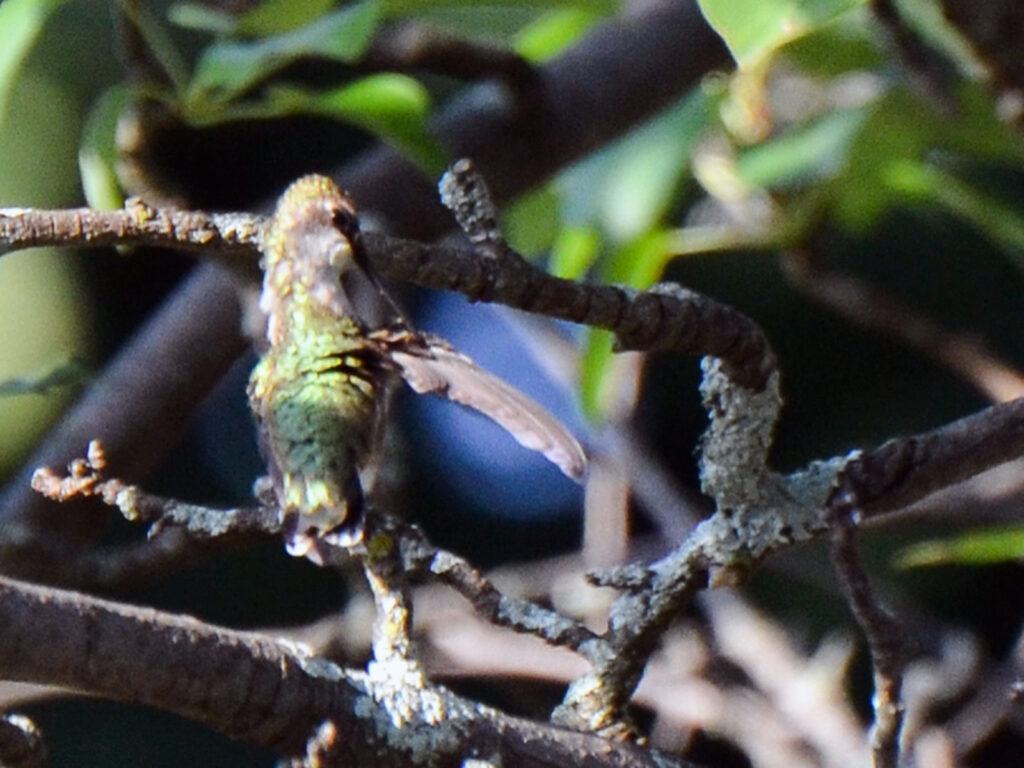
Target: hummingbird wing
(428, 363)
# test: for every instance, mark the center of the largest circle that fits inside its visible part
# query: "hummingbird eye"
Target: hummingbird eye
(345, 220)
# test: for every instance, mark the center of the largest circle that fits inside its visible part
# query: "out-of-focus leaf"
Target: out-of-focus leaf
(975, 129)
(406, 7)
(71, 372)
(1002, 223)
(628, 187)
(597, 358)
(20, 23)
(896, 129)
(272, 17)
(531, 223)
(926, 18)
(393, 107)
(227, 69)
(42, 115)
(550, 34)
(46, 311)
(886, 161)
(202, 18)
(574, 252)
(980, 547)
(809, 152)
(493, 22)
(158, 42)
(837, 49)
(640, 262)
(753, 30)
(97, 154)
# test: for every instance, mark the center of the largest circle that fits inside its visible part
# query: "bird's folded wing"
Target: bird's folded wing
(430, 364)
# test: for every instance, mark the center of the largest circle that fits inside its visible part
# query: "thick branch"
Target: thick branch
(255, 689)
(249, 687)
(664, 318)
(905, 469)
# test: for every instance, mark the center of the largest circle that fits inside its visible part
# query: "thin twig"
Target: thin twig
(859, 301)
(85, 479)
(420, 556)
(174, 363)
(136, 224)
(883, 633)
(388, 578)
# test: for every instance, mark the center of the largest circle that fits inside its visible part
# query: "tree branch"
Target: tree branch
(884, 636)
(905, 469)
(136, 224)
(258, 690)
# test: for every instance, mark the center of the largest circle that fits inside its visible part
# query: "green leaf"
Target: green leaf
(895, 130)
(226, 70)
(926, 17)
(98, 154)
(753, 30)
(202, 18)
(393, 107)
(574, 252)
(837, 50)
(807, 153)
(73, 371)
(597, 360)
(885, 165)
(640, 262)
(532, 222)
(20, 24)
(1001, 222)
(158, 43)
(979, 547)
(628, 187)
(553, 32)
(272, 17)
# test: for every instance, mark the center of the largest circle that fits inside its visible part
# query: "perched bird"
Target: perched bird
(320, 391)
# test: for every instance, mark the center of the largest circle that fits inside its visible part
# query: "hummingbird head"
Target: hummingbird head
(311, 243)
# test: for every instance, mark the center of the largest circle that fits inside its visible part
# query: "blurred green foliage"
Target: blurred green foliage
(984, 546)
(46, 322)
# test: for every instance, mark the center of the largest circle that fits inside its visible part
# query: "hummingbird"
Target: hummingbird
(320, 391)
